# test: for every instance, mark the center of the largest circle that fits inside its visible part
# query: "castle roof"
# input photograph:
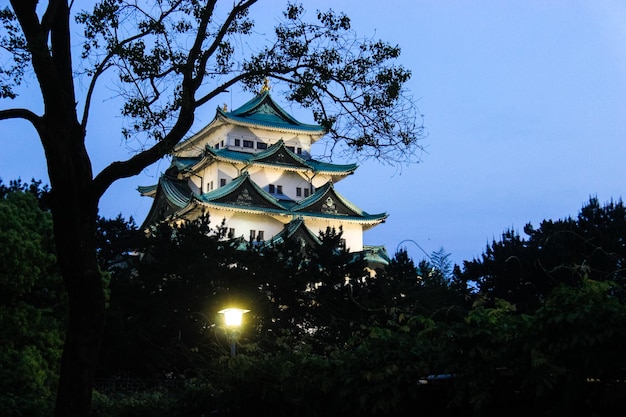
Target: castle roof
(260, 112)
(296, 229)
(329, 203)
(244, 195)
(376, 255)
(170, 196)
(263, 111)
(276, 156)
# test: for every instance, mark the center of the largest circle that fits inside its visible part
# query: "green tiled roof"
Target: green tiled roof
(243, 194)
(234, 186)
(177, 192)
(263, 158)
(328, 168)
(296, 225)
(376, 255)
(265, 112)
(229, 155)
(183, 163)
(342, 206)
(278, 154)
(147, 189)
(170, 196)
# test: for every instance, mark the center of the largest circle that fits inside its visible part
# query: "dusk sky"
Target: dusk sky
(524, 104)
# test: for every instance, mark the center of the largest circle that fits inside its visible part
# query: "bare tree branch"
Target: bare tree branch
(21, 114)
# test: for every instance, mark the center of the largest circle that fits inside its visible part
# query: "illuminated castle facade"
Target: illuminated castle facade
(252, 168)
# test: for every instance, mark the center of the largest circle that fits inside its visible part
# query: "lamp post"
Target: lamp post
(232, 321)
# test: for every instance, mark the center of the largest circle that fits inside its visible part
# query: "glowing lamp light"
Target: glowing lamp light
(232, 321)
(233, 316)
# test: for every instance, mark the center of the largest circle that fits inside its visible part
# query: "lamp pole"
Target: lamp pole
(232, 322)
(415, 243)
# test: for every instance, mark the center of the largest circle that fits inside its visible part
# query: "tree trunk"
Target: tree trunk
(74, 211)
(84, 333)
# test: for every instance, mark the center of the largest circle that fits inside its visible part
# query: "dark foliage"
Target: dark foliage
(524, 271)
(165, 301)
(323, 337)
(33, 306)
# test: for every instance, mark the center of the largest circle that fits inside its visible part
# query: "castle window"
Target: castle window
(261, 145)
(231, 232)
(260, 235)
(272, 189)
(291, 148)
(237, 142)
(306, 192)
(252, 235)
(279, 189)
(248, 144)
(222, 182)
(298, 192)
(299, 151)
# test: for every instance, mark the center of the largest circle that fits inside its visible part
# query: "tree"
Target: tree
(564, 359)
(116, 239)
(425, 289)
(397, 285)
(524, 271)
(159, 319)
(162, 315)
(32, 305)
(167, 60)
(441, 263)
(594, 239)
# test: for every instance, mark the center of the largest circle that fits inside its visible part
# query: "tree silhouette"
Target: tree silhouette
(524, 271)
(167, 59)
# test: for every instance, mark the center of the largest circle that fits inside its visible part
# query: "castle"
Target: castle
(252, 168)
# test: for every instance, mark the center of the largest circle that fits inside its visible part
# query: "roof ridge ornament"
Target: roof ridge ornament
(266, 86)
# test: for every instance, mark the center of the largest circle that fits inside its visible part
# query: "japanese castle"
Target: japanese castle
(252, 168)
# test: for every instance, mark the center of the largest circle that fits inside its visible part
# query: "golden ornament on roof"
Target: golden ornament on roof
(266, 85)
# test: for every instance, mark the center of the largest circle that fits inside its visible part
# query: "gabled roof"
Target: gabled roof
(260, 112)
(278, 154)
(170, 196)
(296, 229)
(327, 202)
(376, 255)
(242, 192)
(243, 195)
(184, 163)
(263, 111)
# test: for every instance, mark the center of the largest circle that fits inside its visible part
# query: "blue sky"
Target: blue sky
(524, 104)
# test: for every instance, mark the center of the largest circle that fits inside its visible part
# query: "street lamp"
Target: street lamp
(232, 321)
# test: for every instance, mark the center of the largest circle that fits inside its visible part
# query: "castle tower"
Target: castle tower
(252, 167)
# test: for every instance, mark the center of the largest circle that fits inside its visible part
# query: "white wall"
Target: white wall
(352, 232)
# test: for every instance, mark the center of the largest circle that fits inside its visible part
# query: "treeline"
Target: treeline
(535, 326)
